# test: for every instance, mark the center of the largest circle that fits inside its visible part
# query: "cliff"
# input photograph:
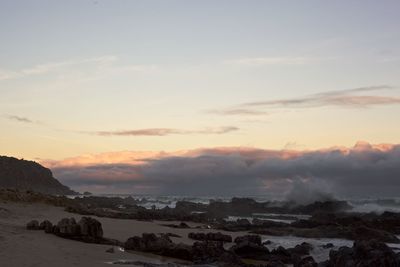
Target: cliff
(29, 175)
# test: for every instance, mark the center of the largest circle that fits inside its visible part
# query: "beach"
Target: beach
(20, 247)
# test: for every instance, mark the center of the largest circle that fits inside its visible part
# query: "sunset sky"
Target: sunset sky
(98, 83)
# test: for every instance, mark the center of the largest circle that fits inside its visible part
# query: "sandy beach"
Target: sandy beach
(20, 247)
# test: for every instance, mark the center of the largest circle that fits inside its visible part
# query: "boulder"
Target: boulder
(110, 250)
(366, 233)
(33, 225)
(248, 238)
(250, 250)
(364, 253)
(148, 243)
(68, 228)
(306, 261)
(210, 237)
(179, 251)
(91, 228)
(207, 251)
(47, 226)
(302, 249)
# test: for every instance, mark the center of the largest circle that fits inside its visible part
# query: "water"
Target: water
(377, 205)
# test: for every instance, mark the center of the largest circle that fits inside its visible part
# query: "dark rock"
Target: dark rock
(110, 250)
(366, 233)
(302, 249)
(179, 251)
(197, 236)
(292, 255)
(47, 226)
(90, 228)
(243, 222)
(135, 243)
(266, 243)
(249, 238)
(148, 243)
(210, 237)
(280, 254)
(68, 228)
(183, 225)
(207, 251)
(274, 263)
(364, 253)
(246, 249)
(306, 261)
(328, 245)
(33, 225)
(170, 235)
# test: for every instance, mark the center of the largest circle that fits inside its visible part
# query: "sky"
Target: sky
(97, 89)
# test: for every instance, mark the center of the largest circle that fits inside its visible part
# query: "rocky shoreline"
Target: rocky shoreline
(211, 249)
(370, 232)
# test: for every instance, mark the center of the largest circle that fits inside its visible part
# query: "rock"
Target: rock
(302, 249)
(249, 238)
(218, 237)
(229, 259)
(183, 225)
(207, 251)
(197, 236)
(250, 250)
(148, 243)
(210, 237)
(267, 242)
(135, 243)
(47, 226)
(292, 255)
(179, 251)
(91, 228)
(110, 250)
(366, 233)
(170, 235)
(364, 253)
(280, 254)
(243, 222)
(306, 261)
(33, 225)
(276, 264)
(328, 245)
(68, 228)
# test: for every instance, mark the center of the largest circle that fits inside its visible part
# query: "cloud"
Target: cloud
(343, 98)
(262, 61)
(103, 65)
(21, 119)
(166, 131)
(349, 98)
(364, 170)
(237, 112)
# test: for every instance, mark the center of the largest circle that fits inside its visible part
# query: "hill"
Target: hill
(28, 175)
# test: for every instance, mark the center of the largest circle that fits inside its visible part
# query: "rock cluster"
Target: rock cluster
(364, 253)
(86, 230)
(210, 237)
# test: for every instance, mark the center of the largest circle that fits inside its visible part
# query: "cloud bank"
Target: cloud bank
(363, 170)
